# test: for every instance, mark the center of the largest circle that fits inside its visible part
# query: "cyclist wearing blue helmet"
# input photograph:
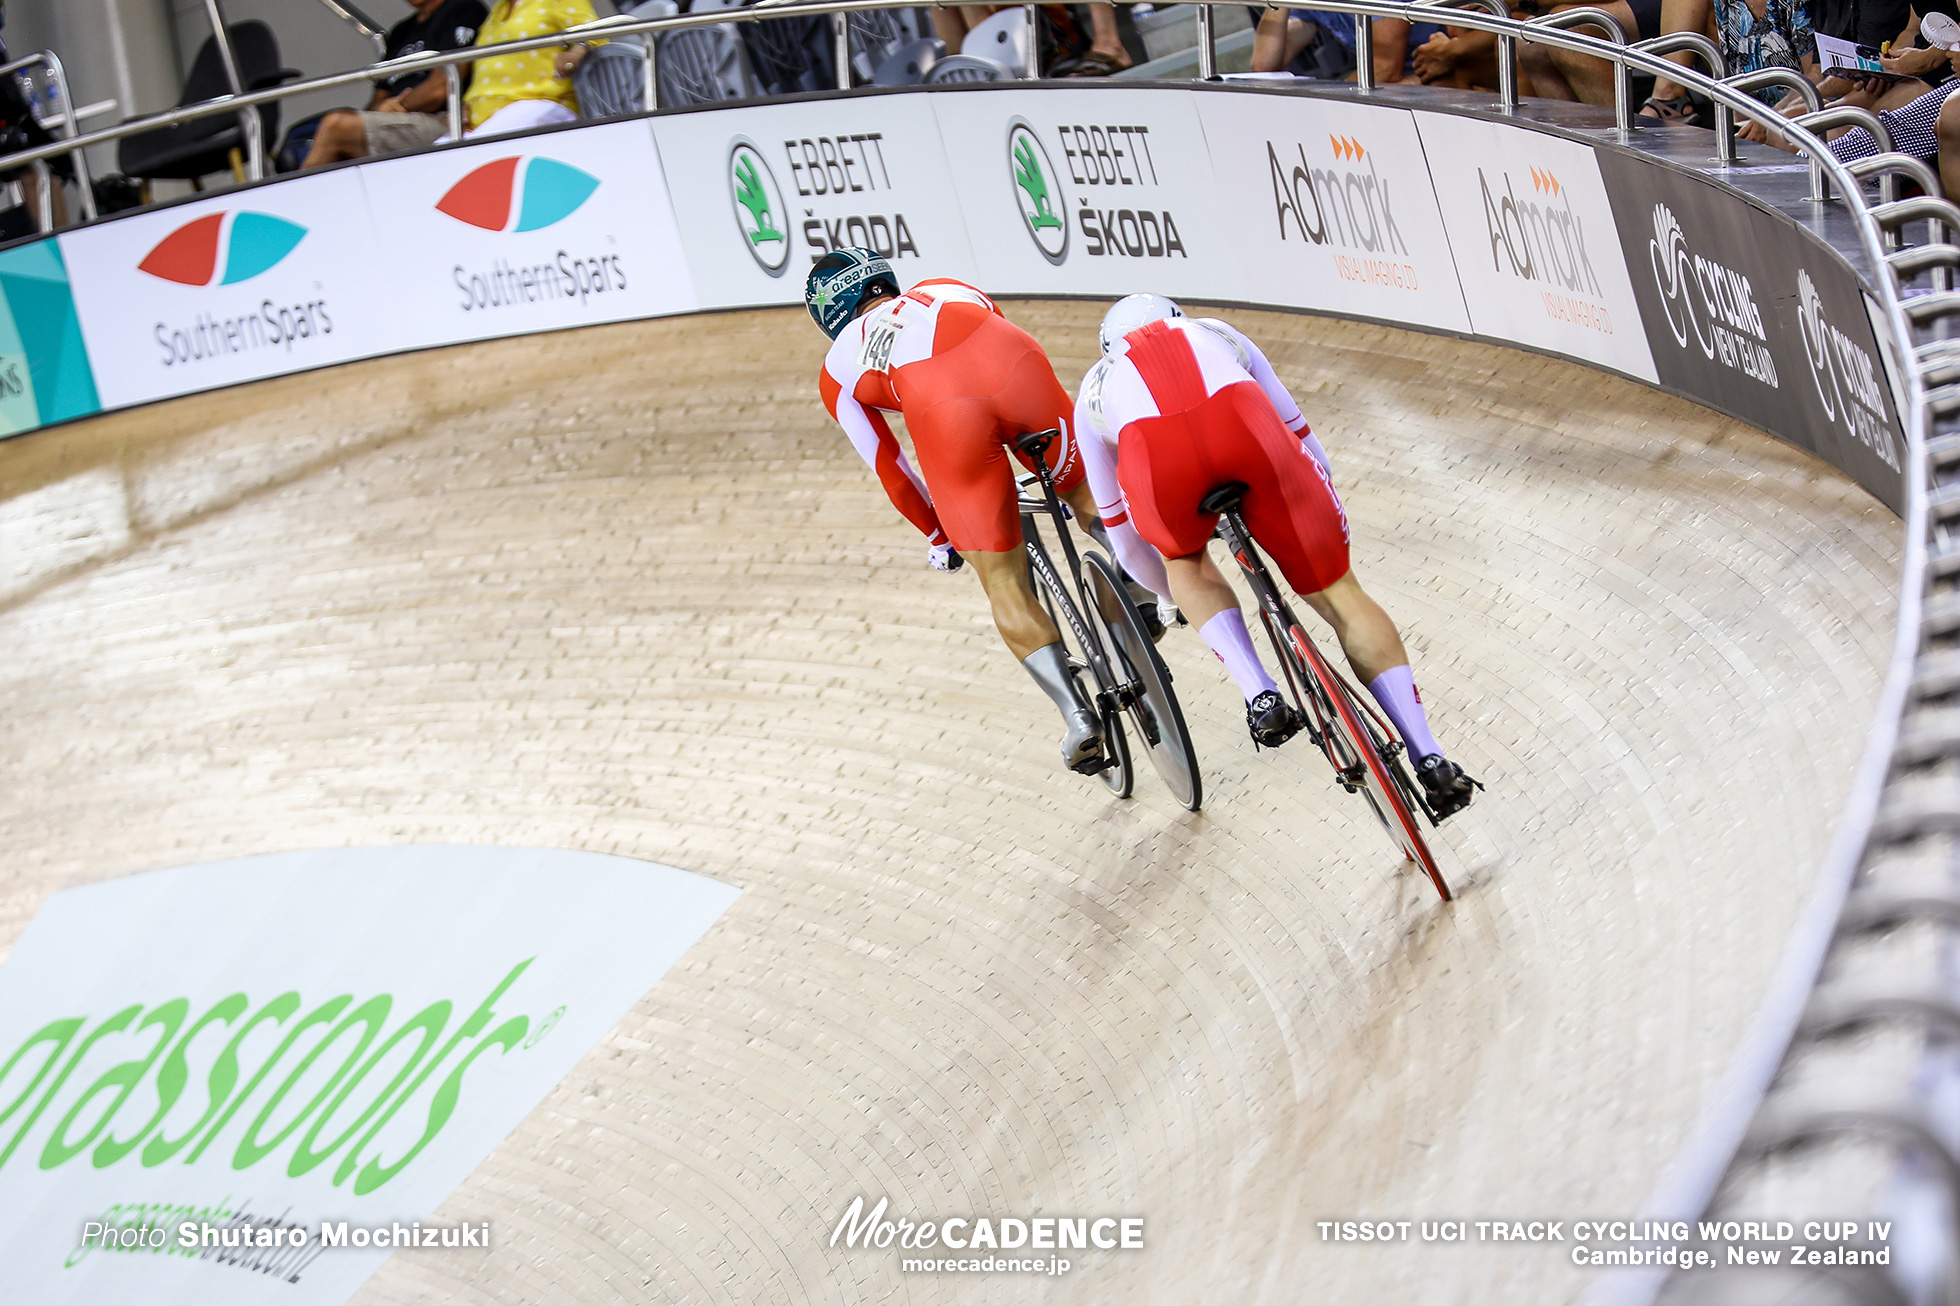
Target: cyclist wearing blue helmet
(968, 382)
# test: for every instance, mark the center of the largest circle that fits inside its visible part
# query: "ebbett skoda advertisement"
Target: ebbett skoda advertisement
(551, 231)
(222, 1080)
(762, 193)
(270, 280)
(1073, 191)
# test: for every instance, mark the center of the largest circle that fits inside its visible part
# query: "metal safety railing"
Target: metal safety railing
(1907, 784)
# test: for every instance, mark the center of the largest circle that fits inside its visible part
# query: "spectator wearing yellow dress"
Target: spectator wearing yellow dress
(512, 92)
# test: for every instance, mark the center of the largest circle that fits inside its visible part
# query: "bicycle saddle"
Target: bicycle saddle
(1222, 498)
(1035, 443)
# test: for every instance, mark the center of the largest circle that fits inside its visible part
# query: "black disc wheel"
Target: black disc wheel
(1153, 707)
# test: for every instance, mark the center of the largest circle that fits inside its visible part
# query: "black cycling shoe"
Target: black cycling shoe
(1271, 719)
(1448, 789)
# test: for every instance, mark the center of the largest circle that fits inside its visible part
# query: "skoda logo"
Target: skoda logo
(1036, 191)
(759, 210)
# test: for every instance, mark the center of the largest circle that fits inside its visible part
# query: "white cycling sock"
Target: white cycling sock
(1395, 690)
(1226, 635)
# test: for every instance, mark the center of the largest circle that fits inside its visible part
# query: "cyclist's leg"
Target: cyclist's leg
(972, 483)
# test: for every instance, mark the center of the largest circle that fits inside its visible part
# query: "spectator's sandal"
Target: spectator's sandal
(1678, 108)
(1093, 64)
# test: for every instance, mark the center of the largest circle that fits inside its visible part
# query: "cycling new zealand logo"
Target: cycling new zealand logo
(760, 212)
(1033, 175)
(211, 250)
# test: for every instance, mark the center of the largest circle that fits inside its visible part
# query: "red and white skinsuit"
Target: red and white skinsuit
(1182, 406)
(968, 381)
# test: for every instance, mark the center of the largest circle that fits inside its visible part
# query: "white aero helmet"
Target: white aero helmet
(1133, 311)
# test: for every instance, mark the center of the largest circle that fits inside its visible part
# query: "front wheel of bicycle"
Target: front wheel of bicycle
(1158, 717)
(1119, 777)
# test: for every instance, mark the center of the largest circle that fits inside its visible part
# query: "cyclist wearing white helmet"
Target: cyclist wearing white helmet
(1178, 406)
(967, 381)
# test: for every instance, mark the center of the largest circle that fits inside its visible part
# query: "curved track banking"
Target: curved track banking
(626, 590)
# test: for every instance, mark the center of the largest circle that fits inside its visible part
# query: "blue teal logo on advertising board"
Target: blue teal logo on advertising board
(44, 370)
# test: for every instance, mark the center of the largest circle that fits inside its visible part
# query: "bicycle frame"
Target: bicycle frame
(1112, 693)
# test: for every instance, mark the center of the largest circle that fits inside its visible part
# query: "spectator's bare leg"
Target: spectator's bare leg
(1103, 36)
(30, 188)
(1391, 49)
(1459, 57)
(1681, 16)
(1280, 39)
(340, 136)
(1946, 130)
(1590, 80)
(1539, 74)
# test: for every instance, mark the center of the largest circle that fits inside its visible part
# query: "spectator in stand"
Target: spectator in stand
(1928, 128)
(1752, 35)
(1309, 42)
(512, 92)
(1460, 57)
(407, 112)
(1104, 56)
(1396, 43)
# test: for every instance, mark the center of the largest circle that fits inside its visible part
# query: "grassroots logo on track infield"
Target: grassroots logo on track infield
(490, 197)
(254, 243)
(1033, 175)
(759, 208)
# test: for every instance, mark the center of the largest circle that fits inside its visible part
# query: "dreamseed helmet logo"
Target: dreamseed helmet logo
(493, 198)
(759, 208)
(225, 248)
(1034, 178)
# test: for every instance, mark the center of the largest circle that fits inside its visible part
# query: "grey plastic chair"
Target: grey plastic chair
(612, 79)
(704, 64)
(909, 63)
(967, 68)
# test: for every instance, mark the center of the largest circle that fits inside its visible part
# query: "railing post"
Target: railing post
(1207, 49)
(44, 210)
(248, 119)
(1718, 69)
(1364, 52)
(454, 100)
(840, 30)
(651, 71)
(1034, 41)
(71, 128)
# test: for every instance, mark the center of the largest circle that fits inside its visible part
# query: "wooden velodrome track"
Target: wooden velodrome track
(625, 589)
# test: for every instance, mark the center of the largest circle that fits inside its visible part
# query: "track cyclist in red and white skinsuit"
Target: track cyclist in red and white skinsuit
(968, 381)
(1179, 406)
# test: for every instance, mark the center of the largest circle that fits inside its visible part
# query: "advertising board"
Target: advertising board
(1534, 240)
(1745, 311)
(1333, 207)
(560, 230)
(761, 193)
(1097, 192)
(233, 288)
(45, 375)
(298, 1041)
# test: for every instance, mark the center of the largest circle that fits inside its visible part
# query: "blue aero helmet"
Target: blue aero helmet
(838, 284)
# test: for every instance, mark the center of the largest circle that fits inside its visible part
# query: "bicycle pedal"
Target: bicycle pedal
(1093, 765)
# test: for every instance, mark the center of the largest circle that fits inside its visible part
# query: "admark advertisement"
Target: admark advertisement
(244, 285)
(300, 1052)
(1078, 191)
(561, 230)
(1535, 245)
(1748, 313)
(1332, 207)
(762, 193)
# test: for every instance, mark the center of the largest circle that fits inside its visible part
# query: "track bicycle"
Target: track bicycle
(1363, 747)
(1110, 650)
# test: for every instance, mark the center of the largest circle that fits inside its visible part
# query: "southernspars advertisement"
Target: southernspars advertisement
(318, 1043)
(1746, 312)
(1533, 235)
(1332, 207)
(541, 233)
(45, 375)
(762, 193)
(1089, 192)
(257, 283)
